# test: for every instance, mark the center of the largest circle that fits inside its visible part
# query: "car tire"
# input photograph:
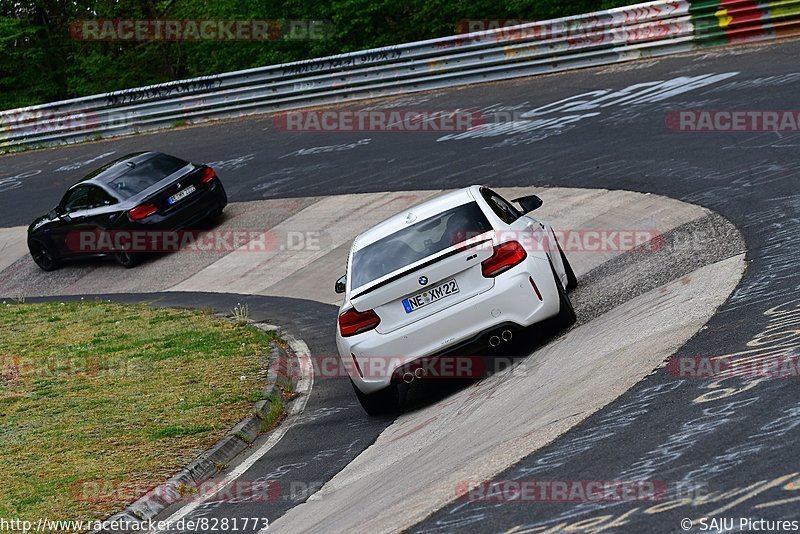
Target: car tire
(378, 403)
(222, 206)
(566, 313)
(572, 280)
(127, 259)
(43, 256)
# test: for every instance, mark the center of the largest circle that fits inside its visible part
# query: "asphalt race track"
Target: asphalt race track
(725, 448)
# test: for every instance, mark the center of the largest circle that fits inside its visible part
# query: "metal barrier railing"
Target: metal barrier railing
(638, 31)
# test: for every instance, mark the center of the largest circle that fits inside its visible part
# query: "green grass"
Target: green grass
(100, 402)
(275, 414)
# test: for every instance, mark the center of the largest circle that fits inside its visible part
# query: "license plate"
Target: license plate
(181, 194)
(430, 296)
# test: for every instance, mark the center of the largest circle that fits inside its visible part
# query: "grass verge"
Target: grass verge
(100, 402)
(275, 414)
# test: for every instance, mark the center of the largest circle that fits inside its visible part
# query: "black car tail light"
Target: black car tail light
(208, 175)
(142, 212)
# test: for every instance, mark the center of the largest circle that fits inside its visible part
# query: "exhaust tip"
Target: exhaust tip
(408, 378)
(494, 341)
(419, 372)
(507, 335)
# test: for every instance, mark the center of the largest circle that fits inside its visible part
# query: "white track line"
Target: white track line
(304, 387)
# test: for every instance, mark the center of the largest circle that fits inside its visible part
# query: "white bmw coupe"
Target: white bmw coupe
(462, 270)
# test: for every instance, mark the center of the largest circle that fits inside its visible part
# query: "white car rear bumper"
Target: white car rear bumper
(511, 300)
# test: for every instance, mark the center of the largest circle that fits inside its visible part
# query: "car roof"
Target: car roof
(110, 171)
(420, 212)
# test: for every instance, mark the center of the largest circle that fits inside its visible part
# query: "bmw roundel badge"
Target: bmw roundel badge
(423, 280)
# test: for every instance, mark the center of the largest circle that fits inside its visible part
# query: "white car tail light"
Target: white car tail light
(505, 257)
(353, 322)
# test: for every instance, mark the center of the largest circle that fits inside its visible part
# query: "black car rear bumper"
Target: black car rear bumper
(190, 212)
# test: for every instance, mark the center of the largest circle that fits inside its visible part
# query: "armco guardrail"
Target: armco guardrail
(638, 31)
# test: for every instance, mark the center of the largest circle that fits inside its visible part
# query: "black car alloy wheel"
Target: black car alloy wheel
(43, 256)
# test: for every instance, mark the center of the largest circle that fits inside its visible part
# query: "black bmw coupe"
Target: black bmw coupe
(146, 192)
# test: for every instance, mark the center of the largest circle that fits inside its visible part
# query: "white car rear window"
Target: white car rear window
(418, 241)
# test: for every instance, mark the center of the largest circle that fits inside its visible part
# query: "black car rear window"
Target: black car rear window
(422, 239)
(139, 176)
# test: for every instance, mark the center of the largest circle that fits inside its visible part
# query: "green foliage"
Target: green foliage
(41, 62)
